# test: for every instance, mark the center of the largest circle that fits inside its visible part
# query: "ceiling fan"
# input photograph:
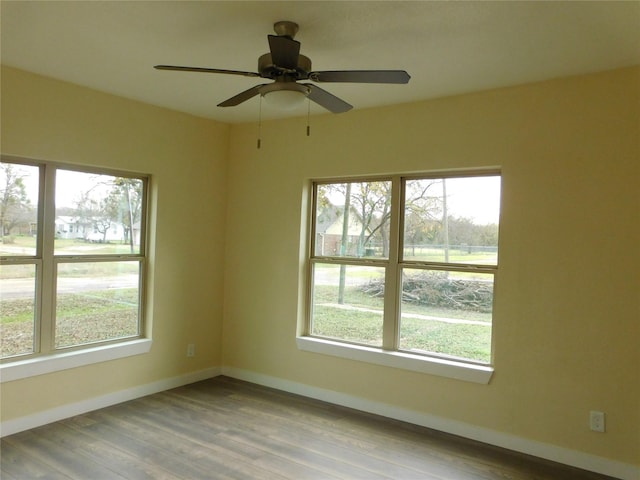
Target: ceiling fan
(286, 66)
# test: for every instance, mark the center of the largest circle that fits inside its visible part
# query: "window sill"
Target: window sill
(62, 361)
(433, 366)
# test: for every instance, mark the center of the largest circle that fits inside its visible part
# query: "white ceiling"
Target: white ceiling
(448, 47)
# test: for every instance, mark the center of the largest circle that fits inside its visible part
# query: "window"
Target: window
(73, 258)
(406, 265)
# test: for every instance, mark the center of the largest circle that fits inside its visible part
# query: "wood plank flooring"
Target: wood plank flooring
(228, 429)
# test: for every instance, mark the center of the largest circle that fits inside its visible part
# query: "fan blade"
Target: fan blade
(284, 51)
(242, 97)
(326, 99)
(361, 76)
(205, 70)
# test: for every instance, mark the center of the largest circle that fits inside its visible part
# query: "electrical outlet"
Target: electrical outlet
(191, 350)
(596, 421)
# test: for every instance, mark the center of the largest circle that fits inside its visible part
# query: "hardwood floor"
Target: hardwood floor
(228, 429)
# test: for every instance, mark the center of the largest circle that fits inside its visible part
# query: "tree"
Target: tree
(464, 231)
(371, 203)
(422, 212)
(374, 203)
(115, 200)
(15, 206)
(366, 199)
(94, 213)
(127, 195)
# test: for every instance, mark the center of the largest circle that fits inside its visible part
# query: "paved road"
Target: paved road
(24, 287)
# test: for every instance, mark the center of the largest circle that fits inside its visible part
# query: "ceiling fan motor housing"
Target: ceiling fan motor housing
(268, 69)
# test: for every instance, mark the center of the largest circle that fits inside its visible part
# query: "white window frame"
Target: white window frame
(390, 355)
(46, 358)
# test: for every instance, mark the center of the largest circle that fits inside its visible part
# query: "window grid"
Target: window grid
(46, 262)
(394, 265)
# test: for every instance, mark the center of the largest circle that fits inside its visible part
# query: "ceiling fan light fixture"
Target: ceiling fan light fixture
(285, 96)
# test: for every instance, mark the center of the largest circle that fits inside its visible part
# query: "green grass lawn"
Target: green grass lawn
(465, 341)
(80, 318)
(456, 254)
(424, 335)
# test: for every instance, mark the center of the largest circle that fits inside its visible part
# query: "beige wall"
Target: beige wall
(186, 157)
(567, 320)
(567, 313)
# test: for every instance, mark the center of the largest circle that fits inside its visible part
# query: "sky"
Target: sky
(477, 198)
(69, 185)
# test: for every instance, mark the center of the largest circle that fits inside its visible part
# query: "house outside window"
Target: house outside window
(63, 288)
(406, 264)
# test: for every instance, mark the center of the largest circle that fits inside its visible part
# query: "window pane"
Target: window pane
(96, 301)
(348, 303)
(97, 214)
(18, 209)
(364, 230)
(453, 220)
(17, 309)
(447, 313)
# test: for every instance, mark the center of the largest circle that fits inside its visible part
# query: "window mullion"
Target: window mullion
(391, 321)
(46, 282)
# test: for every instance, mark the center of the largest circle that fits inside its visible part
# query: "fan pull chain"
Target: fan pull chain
(260, 123)
(308, 116)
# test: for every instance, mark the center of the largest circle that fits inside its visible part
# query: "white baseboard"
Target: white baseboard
(547, 451)
(20, 424)
(566, 456)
